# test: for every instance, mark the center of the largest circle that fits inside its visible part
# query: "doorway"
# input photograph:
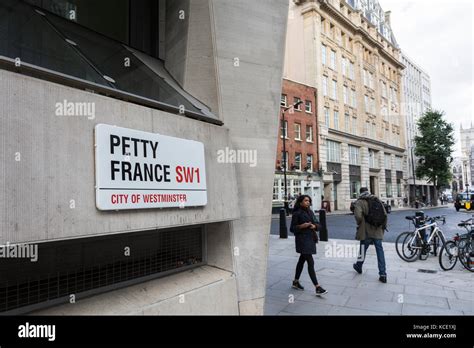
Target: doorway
(373, 185)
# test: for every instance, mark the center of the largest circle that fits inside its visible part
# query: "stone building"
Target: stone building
(347, 51)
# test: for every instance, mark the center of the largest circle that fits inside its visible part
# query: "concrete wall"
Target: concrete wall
(204, 290)
(248, 46)
(57, 157)
(254, 32)
(49, 193)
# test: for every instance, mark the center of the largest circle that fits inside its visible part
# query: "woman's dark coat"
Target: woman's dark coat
(303, 237)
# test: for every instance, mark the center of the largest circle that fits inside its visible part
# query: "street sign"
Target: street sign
(141, 170)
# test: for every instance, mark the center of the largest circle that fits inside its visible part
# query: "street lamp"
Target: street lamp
(414, 172)
(285, 160)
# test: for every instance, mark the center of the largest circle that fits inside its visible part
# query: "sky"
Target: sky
(438, 36)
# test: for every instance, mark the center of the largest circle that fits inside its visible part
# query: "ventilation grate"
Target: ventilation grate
(73, 267)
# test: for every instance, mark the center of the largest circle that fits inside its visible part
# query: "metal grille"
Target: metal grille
(100, 264)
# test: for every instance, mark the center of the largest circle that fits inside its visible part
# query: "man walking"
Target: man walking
(371, 219)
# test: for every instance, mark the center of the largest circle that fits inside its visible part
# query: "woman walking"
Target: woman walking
(304, 225)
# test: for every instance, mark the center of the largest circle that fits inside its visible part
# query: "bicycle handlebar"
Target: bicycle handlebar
(427, 218)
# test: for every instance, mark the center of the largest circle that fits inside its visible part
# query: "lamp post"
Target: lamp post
(413, 169)
(285, 160)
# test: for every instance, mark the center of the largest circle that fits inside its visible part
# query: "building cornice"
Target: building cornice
(366, 140)
(335, 13)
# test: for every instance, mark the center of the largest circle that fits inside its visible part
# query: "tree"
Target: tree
(433, 147)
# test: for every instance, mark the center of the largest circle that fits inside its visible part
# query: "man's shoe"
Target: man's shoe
(383, 278)
(357, 269)
(296, 285)
(320, 291)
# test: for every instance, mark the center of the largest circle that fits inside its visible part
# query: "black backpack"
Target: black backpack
(376, 216)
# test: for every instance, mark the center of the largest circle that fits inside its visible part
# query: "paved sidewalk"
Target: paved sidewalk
(407, 292)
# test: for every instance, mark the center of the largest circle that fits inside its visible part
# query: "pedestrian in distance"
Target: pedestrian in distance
(371, 219)
(304, 225)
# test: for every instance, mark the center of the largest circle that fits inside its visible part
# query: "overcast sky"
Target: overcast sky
(438, 36)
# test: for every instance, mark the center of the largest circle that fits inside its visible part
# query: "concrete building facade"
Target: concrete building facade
(347, 51)
(215, 67)
(417, 101)
(300, 129)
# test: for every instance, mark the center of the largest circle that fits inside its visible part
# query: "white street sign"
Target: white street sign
(139, 170)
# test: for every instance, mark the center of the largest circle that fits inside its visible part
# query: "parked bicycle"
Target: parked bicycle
(466, 245)
(461, 247)
(425, 239)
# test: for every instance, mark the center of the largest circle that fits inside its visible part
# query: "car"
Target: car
(449, 197)
(464, 200)
(387, 207)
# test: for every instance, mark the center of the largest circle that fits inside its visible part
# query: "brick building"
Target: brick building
(301, 137)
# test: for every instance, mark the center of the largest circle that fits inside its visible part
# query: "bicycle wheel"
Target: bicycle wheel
(448, 256)
(406, 247)
(466, 256)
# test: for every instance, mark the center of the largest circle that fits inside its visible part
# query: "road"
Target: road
(343, 226)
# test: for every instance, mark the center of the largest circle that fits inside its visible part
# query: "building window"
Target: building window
(296, 188)
(309, 163)
(298, 161)
(276, 190)
(373, 159)
(333, 60)
(354, 155)
(309, 134)
(326, 116)
(366, 102)
(372, 106)
(334, 89)
(324, 54)
(345, 95)
(384, 90)
(372, 130)
(297, 100)
(354, 126)
(284, 129)
(325, 85)
(284, 100)
(297, 131)
(344, 66)
(398, 163)
(388, 186)
(100, 48)
(336, 120)
(388, 161)
(351, 70)
(308, 106)
(384, 112)
(366, 78)
(347, 121)
(371, 80)
(354, 99)
(355, 188)
(333, 151)
(399, 188)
